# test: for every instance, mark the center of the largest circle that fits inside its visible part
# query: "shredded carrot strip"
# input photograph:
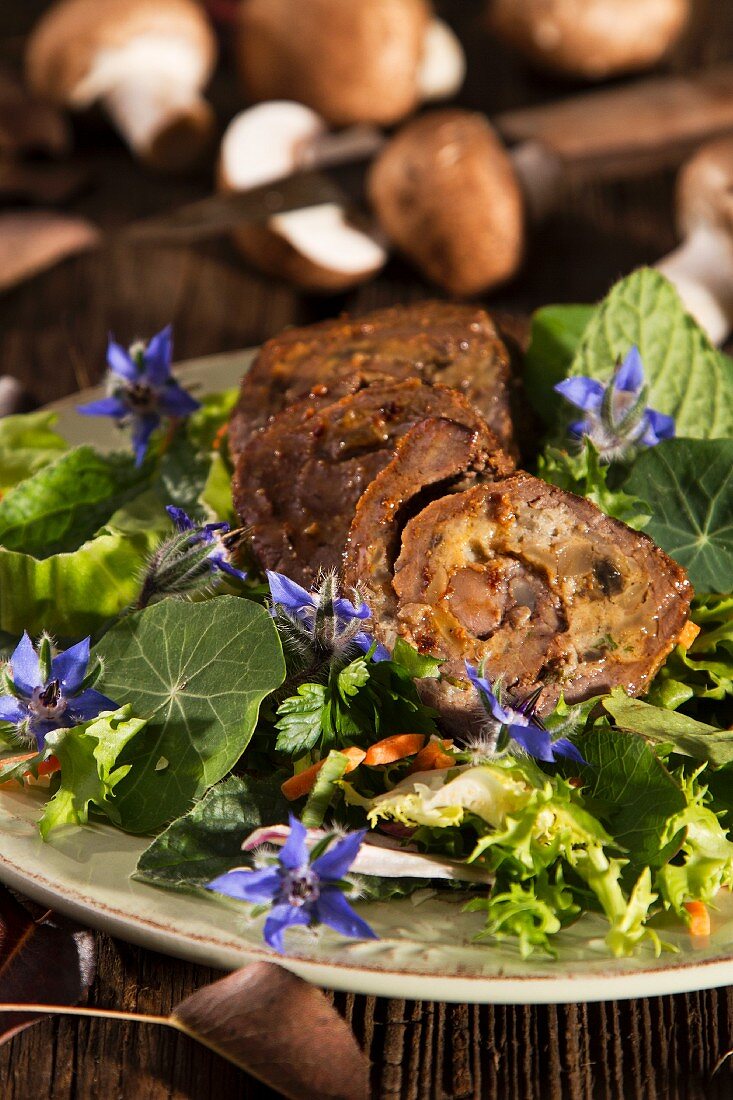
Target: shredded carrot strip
(303, 782)
(688, 634)
(699, 924)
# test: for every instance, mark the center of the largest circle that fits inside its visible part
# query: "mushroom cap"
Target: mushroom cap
(318, 249)
(591, 39)
(63, 45)
(445, 192)
(355, 61)
(266, 142)
(705, 188)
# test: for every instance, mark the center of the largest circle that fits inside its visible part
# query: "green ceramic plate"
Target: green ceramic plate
(425, 950)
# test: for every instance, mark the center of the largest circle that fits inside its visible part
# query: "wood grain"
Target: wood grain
(52, 336)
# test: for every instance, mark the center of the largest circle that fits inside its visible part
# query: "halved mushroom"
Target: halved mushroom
(590, 39)
(145, 60)
(361, 61)
(447, 195)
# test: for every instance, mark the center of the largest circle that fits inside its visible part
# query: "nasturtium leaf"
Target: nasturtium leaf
(90, 770)
(74, 594)
(207, 841)
(635, 793)
(688, 377)
(690, 485)
(555, 336)
(198, 673)
(61, 506)
(686, 735)
(27, 444)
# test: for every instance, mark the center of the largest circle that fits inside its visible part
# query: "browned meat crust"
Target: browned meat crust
(547, 589)
(298, 480)
(457, 345)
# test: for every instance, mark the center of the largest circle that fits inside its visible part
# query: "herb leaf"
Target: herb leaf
(688, 377)
(583, 474)
(691, 484)
(207, 841)
(198, 673)
(299, 719)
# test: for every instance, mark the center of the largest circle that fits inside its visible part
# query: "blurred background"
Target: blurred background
(105, 154)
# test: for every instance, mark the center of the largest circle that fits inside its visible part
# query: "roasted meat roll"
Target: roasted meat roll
(542, 585)
(298, 480)
(457, 345)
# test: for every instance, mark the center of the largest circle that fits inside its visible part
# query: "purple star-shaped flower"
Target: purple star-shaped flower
(303, 605)
(52, 698)
(299, 890)
(522, 724)
(617, 418)
(219, 557)
(142, 390)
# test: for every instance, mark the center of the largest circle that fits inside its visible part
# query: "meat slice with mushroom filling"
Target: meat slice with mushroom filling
(539, 583)
(457, 345)
(299, 479)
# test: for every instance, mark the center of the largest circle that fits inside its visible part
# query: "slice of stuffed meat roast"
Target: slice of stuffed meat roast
(299, 479)
(467, 564)
(457, 345)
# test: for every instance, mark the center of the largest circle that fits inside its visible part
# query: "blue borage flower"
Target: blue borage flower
(191, 560)
(332, 620)
(209, 534)
(49, 693)
(617, 418)
(521, 723)
(141, 389)
(301, 889)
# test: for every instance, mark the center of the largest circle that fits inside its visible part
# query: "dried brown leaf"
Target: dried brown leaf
(279, 1029)
(47, 960)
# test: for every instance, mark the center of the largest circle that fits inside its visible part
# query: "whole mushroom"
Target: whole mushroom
(356, 61)
(702, 267)
(447, 195)
(590, 39)
(146, 61)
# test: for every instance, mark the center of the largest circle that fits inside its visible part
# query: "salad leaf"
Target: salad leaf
(203, 426)
(300, 719)
(61, 506)
(705, 670)
(90, 771)
(555, 336)
(583, 474)
(216, 495)
(207, 841)
(684, 735)
(27, 444)
(688, 377)
(74, 594)
(198, 673)
(627, 916)
(691, 484)
(632, 792)
(418, 665)
(324, 789)
(183, 473)
(530, 911)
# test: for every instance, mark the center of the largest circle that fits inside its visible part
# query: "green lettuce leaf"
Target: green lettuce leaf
(631, 791)
(89, 756)
(688, 377)
(324, 789)
(207, 841)
(531, 912)
(555, 336)
(74, 594)
(682, 734)
(703, 672)
(61, 506)
(27, 444)
(583, 474)
(198, 673)
(691, 484)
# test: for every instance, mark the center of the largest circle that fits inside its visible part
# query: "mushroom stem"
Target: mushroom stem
(702, 271)
(443, 66)
(165, 121)
(541, 176)
(343, 147)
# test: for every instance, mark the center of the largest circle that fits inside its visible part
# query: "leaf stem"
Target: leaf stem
(102, 1013)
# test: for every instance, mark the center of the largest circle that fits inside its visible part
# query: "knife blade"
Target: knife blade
(221, 213)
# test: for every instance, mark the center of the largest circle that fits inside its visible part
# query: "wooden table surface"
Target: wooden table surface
(52, 336)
